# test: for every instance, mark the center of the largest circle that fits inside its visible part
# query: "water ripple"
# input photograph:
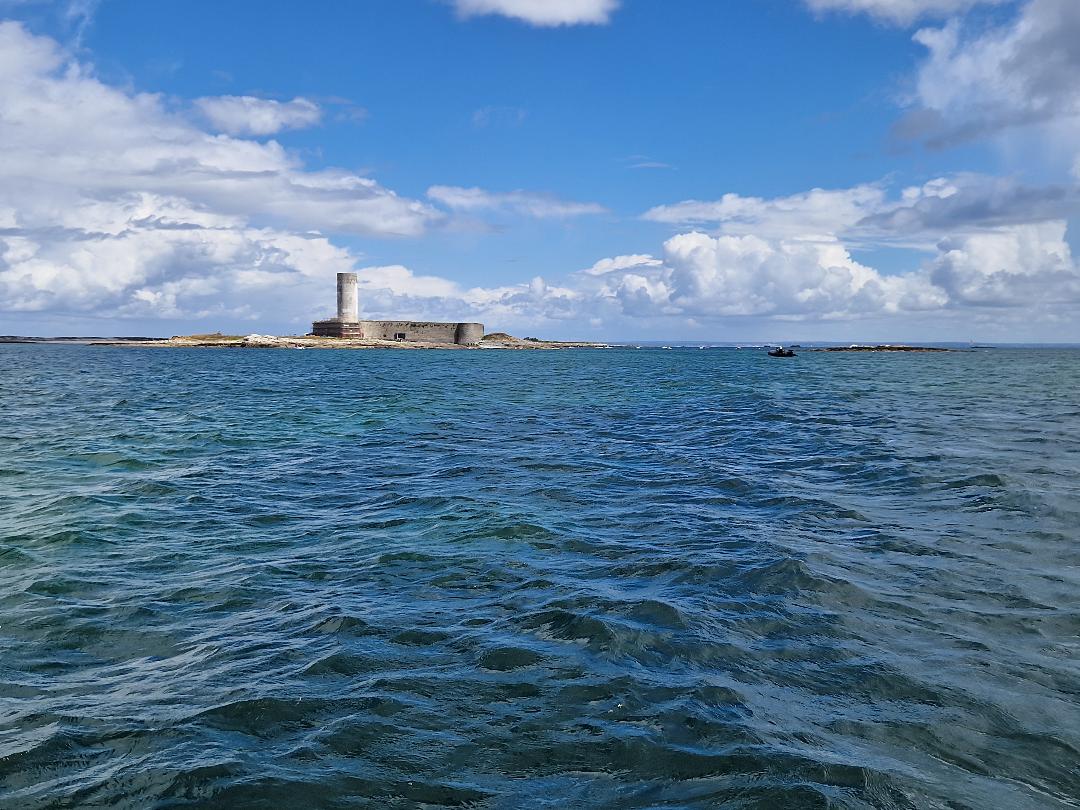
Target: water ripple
(631, 579)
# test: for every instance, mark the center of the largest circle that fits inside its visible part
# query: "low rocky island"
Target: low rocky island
(495, 340)
(882, 347)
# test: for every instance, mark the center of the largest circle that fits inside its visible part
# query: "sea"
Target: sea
(595, 578)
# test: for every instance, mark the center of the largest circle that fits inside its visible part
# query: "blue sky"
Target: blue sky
(471, 158)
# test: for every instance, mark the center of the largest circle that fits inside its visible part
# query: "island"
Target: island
(882, 347)
(496, 340)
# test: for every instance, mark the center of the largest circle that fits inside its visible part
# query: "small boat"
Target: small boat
(780, 351)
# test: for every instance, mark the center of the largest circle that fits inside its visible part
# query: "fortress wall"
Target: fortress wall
(425, 330)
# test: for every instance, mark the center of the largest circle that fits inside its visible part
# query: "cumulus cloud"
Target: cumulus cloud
(705, 276)
(144, 255)
(1019, 266)
(900, 12)
(525, 203)
(247, 115)
(111, 203)
(990, 242)
(548, 13)
(66, 135)
(976, 82)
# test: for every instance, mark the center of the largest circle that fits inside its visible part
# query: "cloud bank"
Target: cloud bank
(993, 250)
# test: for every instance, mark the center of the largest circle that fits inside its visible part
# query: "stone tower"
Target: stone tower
(348, 302)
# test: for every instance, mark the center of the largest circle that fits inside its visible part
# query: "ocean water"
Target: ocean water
(578, 579)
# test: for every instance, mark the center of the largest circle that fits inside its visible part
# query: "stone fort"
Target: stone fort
(347, 324)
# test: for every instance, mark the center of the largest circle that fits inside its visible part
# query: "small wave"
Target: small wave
(504, 659)
(982, 480)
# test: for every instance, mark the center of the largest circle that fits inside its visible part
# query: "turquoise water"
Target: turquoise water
(610, 579)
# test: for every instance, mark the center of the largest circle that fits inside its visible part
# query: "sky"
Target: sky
(576, 169)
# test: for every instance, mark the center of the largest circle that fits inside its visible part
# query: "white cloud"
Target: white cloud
(983, 81)
(869, 215)
(67, 136)
(400, 281)
(109, 203)
(618, 263)
(712, 277)
(813, 213)
(79, 14)
(151, 256)
(247, 115)
(991, 242)
(524, 203)
(900, 12)
(546, 13)
(1019, 266)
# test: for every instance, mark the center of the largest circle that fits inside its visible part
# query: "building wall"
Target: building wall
(466, 333)
(338, 329)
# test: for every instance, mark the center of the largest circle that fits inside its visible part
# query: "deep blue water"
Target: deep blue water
(578, 579)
